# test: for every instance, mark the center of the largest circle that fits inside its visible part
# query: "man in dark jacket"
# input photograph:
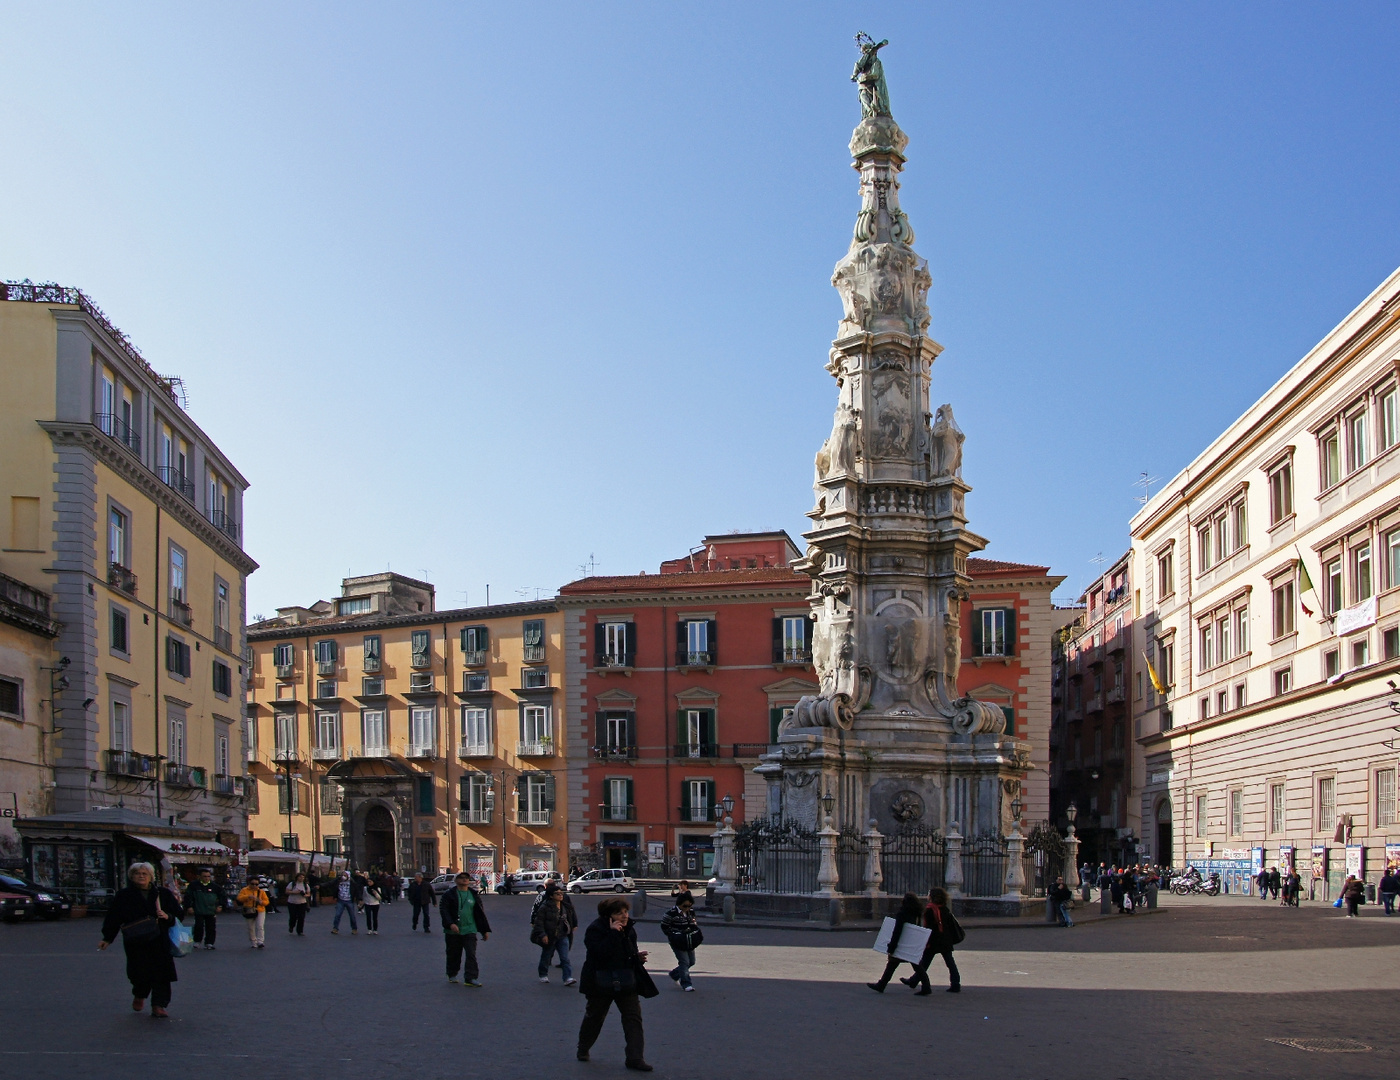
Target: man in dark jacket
(552, 927)
(204, 900)
(463, 918)
(1275, 880)
(1060, 896)
(420, 895)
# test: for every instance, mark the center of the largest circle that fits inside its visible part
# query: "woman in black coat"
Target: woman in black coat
(149, 965)
(611, 968)
(911, 911)
(944, 933)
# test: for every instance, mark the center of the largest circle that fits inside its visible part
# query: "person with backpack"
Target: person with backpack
(204, 900)
(552, 929)
(683, 935)
(910, 911)
(252, 900)
(944, 933)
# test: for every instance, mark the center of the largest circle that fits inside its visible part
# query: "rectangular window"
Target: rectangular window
(619, 806)
(422, 649)
(1361, 573)
(1281, 493)
(1241, 631)
(532, 634)
(1202, 820)
(1166, 578)
(795, 649)
(535, 730)
(118, 630)
(355, 605)
(1239, 695)
(177, 657)
(1332, 582)
(422, 733)
(1166, 663)
(118, 539)
(1204, 709)
(1361, 651)
(331, 794)
(420, 682)
(1275, 809)
(221, 755)
(1237, 813)
(328, 732)
(1390, 420)
(618, 732)
(223, 679)
(177, 575)
(374, 733)
(993, 623)
(1392, 559)
(221, 605)
(1206, 545)
(697, 800)
(1385, 797)
(617, 645)
(1283, 680)
(477, 681)
(1391, 640)
(286, 804)
(1283, 597)
(476, 732)
(534, 799)
(286, 735)
(1357, 444)
(534, 678)
(373, 657)
(1331, 663)
(477, 799)
(1222, 639)
(1222, 701)
(1326, 804)
(283, 659)
(372, 687)
(697, 642)
(121, 725)
(175, 748)
(697, 733)
(327, 655)
(474, 644)
(1207, 647)
(1239, 525)
(1330, 456)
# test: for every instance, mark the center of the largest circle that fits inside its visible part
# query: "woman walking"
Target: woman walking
(1353, 895)
(253, 901)
(372, 899)
(298, 900)
(910, 911)
(944, 933)
(613, 972)
(553, 931)
(143, 914)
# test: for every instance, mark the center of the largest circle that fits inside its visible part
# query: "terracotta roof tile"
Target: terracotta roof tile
(977, 566)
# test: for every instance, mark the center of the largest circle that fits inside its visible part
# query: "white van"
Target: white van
(602, 881)
(532, 879)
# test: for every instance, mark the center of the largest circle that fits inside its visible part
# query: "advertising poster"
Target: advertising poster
(1285, 858)
(1392, 854)
(1356, 860)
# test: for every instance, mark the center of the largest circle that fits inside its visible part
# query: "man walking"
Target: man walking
(348, 892)
(1060, 896)
(1388, 888)
(463, 918)
(420, 895)
(204, 900)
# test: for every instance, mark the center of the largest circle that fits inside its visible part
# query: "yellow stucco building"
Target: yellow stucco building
(114, 503)
(408, 738)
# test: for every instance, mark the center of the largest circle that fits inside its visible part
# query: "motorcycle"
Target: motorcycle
(1194, 883)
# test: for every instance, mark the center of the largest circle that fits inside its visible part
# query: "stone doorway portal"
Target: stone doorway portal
(1164, 833)
(379, 839)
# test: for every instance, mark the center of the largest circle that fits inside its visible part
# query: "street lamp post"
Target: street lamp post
(726, 870)
(828, 875)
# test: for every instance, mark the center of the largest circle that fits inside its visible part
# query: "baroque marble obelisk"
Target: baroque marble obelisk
(888, 734)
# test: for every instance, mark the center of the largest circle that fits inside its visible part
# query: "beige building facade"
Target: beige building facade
(1267, 579)
(115, 504)
(408, 738)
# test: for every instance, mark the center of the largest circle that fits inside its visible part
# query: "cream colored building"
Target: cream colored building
(28, 679)
(1267, 578)
(115, 503)
(412, 738)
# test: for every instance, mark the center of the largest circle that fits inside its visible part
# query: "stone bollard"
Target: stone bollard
(639, 903)
(728, 907)
(1151, 897)
(1105, 902)
(1084, 892)
(834, 911)
(1050, 914)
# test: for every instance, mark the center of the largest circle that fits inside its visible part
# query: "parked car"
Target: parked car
(602, 881)
(50, 903)
(527, 880)
(441, 884)
(16, 906)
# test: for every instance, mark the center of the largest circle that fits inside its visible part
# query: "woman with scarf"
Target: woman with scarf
(944, 933)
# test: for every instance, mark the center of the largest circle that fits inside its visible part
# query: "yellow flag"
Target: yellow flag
(1152, 674)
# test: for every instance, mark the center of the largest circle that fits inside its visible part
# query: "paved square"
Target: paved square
(1218, 988)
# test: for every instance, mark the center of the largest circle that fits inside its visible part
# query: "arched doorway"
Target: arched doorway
(1164, 832)
(379, 839)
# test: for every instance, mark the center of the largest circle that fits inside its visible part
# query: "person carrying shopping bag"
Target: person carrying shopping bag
(683, 934)
(910, 912)
(252, 901)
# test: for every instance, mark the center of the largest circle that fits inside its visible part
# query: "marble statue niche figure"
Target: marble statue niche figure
(869, 77)
(901, 645)
(838, 453)
(947, 443)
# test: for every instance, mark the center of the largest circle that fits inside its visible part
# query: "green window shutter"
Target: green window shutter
(707, 727)
(775, 717)
(777, 640)
(629, 638)
(465, 647)
(712, 644)
(680, 644)
(425, 794)
(549, 791)
(1010, 712)
(600, 642)
(685, 800)
(976, 636)
(601, 719)
(1010, 631)
(631, 801)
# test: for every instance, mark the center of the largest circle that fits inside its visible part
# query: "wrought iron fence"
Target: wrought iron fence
(777, 857)
(984, 866)
(852, 850)
(914, 860)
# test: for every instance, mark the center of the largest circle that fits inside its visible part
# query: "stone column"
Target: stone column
(952, 866)
(1071, 859)
(874, 866)
(1015, 873)
(726, 871)
(828, 876)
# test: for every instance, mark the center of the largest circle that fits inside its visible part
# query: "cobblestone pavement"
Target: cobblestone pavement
(1204, 987)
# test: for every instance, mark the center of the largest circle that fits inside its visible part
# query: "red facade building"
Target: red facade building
(681, 679)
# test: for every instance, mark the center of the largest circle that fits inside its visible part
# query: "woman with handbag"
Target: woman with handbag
(298, 900)
(613, 971)
(683, 935)
(143, 914)
(252, 901)
(944, 932)
(552, 929)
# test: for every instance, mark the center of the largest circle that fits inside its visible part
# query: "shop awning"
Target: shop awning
(182, 849)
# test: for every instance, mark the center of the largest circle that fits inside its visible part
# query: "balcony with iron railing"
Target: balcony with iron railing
(1114, 695)
(125, 763)
(285, 753)
(697, 813)
(533, 817)
(474, 658)
(190, 776)
(422, 660)
(617, 812)
(286, 671)
(175, 479)
(372, 664)
(223, 639)
(422, 751)
(534, 653)
(180, 612)
(325, 753)
(542, 748)
(120, 431)
(696, 750)
(789, 655)
(121, 579)
(230, 787)
(613, 660)
(225, 522)
(615, 752)
(475, 750)
(327, 667)
(696, 659)
(473, 817)
(370, 751)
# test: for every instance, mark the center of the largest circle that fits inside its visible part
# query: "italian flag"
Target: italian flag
(1305, 583)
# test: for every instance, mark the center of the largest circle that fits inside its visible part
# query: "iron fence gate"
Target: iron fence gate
(984, 866)
(913, 860)
(777, 857)
(851, 852)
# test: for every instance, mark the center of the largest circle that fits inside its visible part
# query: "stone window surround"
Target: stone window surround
(1272, 465)
(129, 540)
(1232, 605)
(19, 682)
(1208, 520)
(1335, 421)
(112, 650)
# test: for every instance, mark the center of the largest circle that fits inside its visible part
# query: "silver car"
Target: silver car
(602, 881)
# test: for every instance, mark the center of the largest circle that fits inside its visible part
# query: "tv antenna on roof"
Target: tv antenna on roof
(589, 567)
(1146, 482)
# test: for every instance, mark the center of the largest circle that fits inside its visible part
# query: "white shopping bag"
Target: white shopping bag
(911, 941)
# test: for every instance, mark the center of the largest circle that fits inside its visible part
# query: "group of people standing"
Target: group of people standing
(1285, 886)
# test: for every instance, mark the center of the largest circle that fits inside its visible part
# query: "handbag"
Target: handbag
(957, 934)
(645, 986)
(144, 928)
(691, 938)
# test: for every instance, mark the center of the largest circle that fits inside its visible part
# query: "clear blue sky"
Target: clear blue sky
(476, 291)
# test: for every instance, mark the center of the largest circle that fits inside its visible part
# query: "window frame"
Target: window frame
(117, 611)
(1280, 480)
(1384, 779)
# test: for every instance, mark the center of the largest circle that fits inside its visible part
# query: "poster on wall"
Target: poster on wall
(1285, 858)
(656, 851)
(1356, 860)
(1392, 855)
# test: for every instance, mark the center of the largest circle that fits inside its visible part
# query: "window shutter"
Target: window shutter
(775, 717)
(631, 801)
(680, 643)
(1010, 712)
(464, 786)
(522, 796)
(777, 640)
(602, 721)
(464, 640)
(629, 639)
(600, 643)
(631, 742)
(710, 796)
(1010, 631)
(685, 800)
(335, 651)
(976, 637)
(681, 739)
(712, 641)
(707, 727)
(549, 791)
(425, 794)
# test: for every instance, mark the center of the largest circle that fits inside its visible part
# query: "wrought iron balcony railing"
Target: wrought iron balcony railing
(423, 750)
(532, 817)
(177, 480)
(534, 652)
(225, 523)
(125, 763)
(124, 433)
(543, 748)
(616, 812)
(122, 579)
(180, 612)
(190, 776)
(474, 658)
(473, 817)
(697, 750)
(326, 667)
(326, 753)
(614, 750)
(698, 813)
(372, 664)
(475, 750)
(223, 639)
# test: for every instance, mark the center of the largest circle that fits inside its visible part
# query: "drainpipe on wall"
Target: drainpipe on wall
(447, 756)
(155, 697)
